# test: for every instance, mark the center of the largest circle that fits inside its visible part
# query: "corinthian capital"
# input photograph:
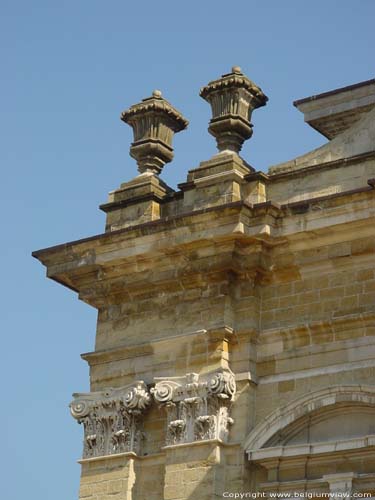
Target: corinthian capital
(197, 407)
(111, 419)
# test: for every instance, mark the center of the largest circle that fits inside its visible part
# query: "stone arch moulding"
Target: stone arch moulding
(323, 398)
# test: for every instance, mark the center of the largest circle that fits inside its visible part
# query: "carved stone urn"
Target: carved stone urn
(154, 121)
(233, 97)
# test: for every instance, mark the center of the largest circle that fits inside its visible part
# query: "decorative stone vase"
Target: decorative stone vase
(233, 98)
(154, 121)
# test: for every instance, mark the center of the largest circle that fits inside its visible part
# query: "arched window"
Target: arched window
(323, 442)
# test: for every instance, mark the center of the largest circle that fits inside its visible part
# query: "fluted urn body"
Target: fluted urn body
(154, 122)
(233, 98)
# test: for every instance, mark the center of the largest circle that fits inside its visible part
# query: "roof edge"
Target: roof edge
(333, 92)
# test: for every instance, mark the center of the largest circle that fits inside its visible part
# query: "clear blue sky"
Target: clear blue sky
(68, 68)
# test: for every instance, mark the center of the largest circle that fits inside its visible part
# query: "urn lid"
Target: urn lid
(155, 104)
(235, 79)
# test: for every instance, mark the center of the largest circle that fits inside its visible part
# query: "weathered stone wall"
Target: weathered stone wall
(236, 323)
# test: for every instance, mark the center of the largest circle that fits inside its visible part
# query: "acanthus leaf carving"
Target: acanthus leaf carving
(197, 407)
(111, 419)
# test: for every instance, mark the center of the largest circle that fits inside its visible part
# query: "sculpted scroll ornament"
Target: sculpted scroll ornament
(111, 419)
(197, 407)
(222, 384)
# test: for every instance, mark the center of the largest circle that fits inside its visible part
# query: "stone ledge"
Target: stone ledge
(202, 442)
(148, 228)
(246, 377)
(331, 113)
(128, 454)
(309, 449)
(274, 174)
(145, 348)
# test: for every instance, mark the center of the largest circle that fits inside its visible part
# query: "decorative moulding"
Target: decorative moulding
(154, 122)
(111, 419)
(233, 98)
(197, 407)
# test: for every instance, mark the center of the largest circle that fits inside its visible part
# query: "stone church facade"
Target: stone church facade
(235, 344)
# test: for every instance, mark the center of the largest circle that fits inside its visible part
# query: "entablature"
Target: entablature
(210, 241)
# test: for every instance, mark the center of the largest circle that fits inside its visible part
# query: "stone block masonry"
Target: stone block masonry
(235, 343)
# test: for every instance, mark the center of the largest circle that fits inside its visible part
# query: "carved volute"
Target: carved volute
(111, 419)
(197, 407)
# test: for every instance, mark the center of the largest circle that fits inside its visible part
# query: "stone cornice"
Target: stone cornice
(146, 349)
(82, 263)
(160, 456)
(275, 175)
(45, 255)
(115, 205)
(130, 232)
(118, 456)
(206, 442)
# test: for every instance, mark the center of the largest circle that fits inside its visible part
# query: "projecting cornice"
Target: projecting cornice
(48, 254)
(331, 113)
(232, 238)
(356, 139)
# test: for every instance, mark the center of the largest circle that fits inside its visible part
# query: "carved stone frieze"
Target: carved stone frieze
(197, 407)
(111, 419)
